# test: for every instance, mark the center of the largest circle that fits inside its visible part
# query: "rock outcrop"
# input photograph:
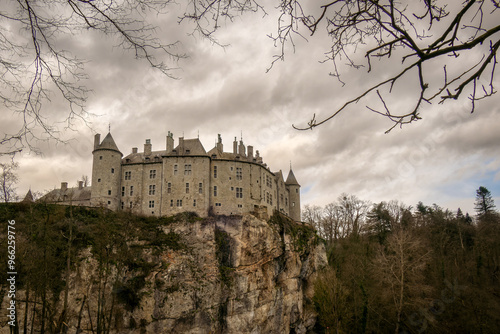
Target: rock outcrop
(219, 275)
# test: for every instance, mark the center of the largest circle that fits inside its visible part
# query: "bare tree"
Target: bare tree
(311, 214)
(85, 180)
(461, 37)
(332, 219)
(33, 61)
(8, 179)
(400, 269)
(353, 213)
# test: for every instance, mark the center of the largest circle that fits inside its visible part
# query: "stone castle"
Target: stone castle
(183, 178)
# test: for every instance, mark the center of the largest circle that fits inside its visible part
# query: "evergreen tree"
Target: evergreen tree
(484, 205)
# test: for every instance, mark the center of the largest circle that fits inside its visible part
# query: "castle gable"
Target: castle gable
(189, 147)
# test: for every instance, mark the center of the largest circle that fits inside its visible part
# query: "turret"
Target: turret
(106, 173)
(294, 196)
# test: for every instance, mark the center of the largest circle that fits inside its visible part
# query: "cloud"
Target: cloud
(441, 158)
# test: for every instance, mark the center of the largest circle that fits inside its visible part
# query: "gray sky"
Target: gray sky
(440, 159)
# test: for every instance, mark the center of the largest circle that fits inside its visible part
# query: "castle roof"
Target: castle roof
(291, 180)
(190, 146)
(28, 198)
(108, 143)
(67, 195)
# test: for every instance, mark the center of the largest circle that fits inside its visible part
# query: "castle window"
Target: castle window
(109, 202)
(215, 172)
(171, 202)
(123, 191)
(187, 188)
(194, 202)
(152, 174)
(131, 205)
(123, 204)
(239, 175)
(179, 202)
(187, 169)
(218, 204)
(98, 180)
(169, 187)
(128, 175)
(239, 192)
(152, 189)
(240, 205)
(109, 192)
(131, 190)
(271, 199)
(188, 151)
(215, 190)
(281, 198)
(297, 191)
(100, 157)
(231, 168)
(293, 203)
(151, 204)
(112, 170)
(200, 188)
(175, 169)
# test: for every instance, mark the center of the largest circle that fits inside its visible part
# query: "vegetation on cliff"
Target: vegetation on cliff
(50, 241)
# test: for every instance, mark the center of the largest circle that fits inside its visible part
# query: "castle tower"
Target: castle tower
(294, 191)
(106, 173)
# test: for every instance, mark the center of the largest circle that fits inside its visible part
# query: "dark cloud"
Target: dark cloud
(227, 91)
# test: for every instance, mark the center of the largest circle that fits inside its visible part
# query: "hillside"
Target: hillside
(98, 271)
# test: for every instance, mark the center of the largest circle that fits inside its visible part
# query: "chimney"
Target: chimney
(250, 151)
(219, 143)
(258, 157)
(64, 186)
(97, 140)
(181, 145)
(80, 185)
(235, 146)
(147, 147)
(134, 150)
(241, 148)
(170, 142)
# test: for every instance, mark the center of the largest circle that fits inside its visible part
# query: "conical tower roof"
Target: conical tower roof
(291, 180)
(108, 143)
(28, 198)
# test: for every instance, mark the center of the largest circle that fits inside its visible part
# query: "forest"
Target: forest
(395, 269)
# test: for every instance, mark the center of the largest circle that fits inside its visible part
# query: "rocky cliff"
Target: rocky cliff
(214, 275)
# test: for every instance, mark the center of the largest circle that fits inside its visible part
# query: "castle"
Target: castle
(183, 178)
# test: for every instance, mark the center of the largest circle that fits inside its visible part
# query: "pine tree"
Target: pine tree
(484, 205)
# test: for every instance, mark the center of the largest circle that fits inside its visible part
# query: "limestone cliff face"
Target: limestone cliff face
(229, 275)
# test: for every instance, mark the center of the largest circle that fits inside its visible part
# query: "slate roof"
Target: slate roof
(108, 143)
(291, 180)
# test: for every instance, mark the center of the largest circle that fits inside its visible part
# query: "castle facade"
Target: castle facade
(185, 178)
